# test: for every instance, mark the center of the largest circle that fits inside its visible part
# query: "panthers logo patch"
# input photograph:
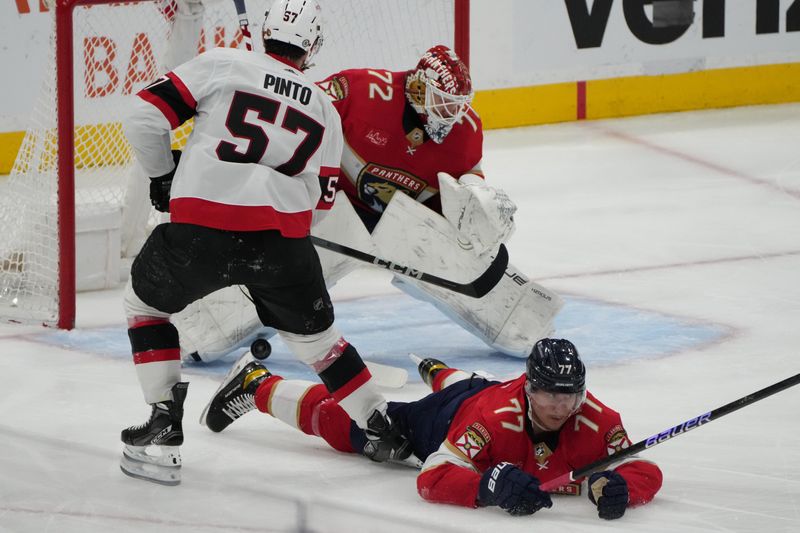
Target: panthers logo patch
(616, 440)
(377, 184)
(337, 88)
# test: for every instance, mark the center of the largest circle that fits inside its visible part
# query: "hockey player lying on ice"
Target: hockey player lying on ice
(483, 442)
(411, 132)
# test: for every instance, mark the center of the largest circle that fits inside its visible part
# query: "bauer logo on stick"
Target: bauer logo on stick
(680, 428)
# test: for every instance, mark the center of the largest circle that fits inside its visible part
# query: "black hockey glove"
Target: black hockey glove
(513, 490)
(609, 491)
(161, 185)
(384, 440)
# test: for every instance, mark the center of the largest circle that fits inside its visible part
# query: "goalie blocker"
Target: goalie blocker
(510, 318)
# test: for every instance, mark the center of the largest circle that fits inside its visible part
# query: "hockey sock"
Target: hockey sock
(264, 393)
(448, 376)
(157, 356)
(347, 378)
(307, 407)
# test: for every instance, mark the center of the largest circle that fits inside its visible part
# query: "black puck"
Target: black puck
(260, 348)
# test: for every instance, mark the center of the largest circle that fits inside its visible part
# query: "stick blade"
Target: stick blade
(492, 276)
(392, 377)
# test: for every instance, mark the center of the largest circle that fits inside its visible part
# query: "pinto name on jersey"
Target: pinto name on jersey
(288, 88)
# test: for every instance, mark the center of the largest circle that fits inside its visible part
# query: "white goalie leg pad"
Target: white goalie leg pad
(214, 326)
(285, 399)
(343, 226)
(411, 234)
(159, 464)
(510, 318)
(532, 316)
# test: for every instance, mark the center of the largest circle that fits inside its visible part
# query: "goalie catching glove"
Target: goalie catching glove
(483, 215)
(160, 186)
(513, 490)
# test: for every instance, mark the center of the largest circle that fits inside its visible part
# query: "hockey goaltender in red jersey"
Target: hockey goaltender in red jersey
(483, 442)
(403, 128)
(411, 132)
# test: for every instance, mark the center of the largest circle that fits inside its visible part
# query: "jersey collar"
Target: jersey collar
(283, 60)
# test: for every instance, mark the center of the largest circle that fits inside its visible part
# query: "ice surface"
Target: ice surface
(675, 240)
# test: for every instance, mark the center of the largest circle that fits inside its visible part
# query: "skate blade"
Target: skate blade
(162, 470)
(235, 369)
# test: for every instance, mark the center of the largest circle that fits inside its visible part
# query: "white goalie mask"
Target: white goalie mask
(296, 22)
(440, 90)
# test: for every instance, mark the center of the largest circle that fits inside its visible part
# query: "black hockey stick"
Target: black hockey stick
(674, 431)
(476, 288)
(244, 23)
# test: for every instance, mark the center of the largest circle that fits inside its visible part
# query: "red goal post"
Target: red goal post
(72, 172)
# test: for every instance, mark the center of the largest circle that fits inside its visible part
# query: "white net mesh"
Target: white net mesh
(119, 48)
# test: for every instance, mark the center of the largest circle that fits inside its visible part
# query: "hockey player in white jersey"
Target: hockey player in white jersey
(421, 139)
(261, 163)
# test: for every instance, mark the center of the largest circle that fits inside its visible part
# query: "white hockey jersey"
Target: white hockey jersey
(265, 147)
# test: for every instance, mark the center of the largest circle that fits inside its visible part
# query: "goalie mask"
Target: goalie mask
(440, 90)
(555, 384)
(296, 22)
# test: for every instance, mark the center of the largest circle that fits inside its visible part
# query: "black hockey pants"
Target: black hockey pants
(181, 263)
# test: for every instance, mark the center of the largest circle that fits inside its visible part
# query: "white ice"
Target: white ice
(692, 216)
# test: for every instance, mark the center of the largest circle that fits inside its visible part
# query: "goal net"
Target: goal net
(75, 204)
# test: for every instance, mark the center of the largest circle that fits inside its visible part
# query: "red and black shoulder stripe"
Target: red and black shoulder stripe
(172, 98)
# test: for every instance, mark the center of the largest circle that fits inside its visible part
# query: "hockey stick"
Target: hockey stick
(674, 431)
(244, 23)
(476, 288)
(392, 377)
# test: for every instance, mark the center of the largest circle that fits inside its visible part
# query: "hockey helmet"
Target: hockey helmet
(296, 22)
(555, 382)
(440, 90)
(554, 365)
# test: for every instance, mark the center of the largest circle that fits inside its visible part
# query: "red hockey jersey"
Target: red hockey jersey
(493, 426)
(386, 147)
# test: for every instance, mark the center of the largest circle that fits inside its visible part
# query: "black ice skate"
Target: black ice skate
(428, 368)
(151, 450)
(236, 395)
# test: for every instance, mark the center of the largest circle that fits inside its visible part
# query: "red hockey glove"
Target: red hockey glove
(609, 491)
(513, 490)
